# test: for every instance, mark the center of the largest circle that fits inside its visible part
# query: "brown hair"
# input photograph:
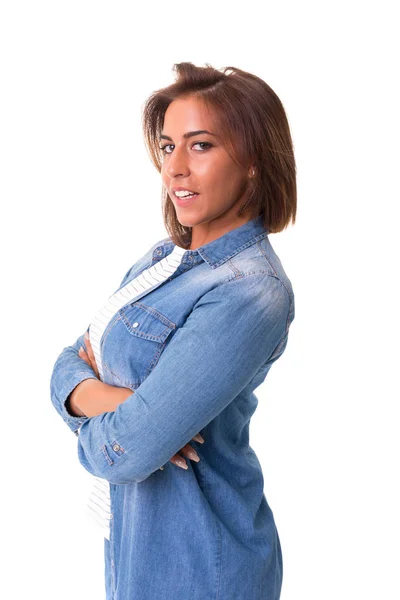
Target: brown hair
(252, 121)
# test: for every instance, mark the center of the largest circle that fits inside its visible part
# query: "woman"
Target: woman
(185, 356)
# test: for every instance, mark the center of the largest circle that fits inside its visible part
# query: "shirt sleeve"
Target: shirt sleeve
(232, 331)
(68, 371)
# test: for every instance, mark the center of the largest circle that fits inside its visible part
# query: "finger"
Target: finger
(88, 346)
(90, 353)
(179, 461)
(83, 355)
(190, 453)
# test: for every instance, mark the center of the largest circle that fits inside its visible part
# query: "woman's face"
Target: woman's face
(200, 163)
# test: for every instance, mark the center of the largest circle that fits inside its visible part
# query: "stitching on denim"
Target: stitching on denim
(266, 258)
(290, 304)
(287, 291)
(277, 352)
(143, 334)
(106, 455)
(234, 268)
(243, 275)
(124, 382)
(120, 450)
(153, 361)
(276, 274)
(155, 358)
(239, 249)
(157, 314)
(137, 382)
(140, 333)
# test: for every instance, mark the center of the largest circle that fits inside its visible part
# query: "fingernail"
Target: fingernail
(182, 463)
(193, 455)
(81, 349)
(86, 335)
(199, 438)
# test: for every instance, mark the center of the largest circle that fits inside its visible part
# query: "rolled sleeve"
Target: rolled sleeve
(231, 332)
(69, 370)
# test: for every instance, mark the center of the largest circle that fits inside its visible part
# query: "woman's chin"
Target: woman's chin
(185, 218)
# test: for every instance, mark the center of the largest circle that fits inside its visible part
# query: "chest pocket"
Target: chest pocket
(133, 343)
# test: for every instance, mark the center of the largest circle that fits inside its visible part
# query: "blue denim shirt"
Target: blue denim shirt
(208, 337)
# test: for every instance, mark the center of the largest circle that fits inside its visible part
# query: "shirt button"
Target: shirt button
(135, 324)
(158, 251)
(116, 447)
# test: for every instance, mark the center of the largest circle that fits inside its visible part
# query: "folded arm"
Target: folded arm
(92, 397)
(232, 331)
(70, 370)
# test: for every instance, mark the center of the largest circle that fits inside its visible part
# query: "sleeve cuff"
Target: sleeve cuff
(74, 423)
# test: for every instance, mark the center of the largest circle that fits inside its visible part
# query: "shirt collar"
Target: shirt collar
(218, 251)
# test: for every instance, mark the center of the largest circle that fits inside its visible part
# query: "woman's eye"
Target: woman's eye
(206, 144)
(162, 148)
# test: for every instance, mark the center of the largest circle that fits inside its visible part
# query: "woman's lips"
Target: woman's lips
(185, 201)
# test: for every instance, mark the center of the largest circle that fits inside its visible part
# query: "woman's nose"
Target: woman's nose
(177, 163)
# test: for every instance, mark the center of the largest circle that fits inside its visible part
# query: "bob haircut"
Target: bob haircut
(251, 120)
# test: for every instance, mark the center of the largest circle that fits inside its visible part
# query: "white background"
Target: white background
(81, 203)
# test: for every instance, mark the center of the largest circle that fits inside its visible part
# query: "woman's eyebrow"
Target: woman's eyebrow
(188, 134)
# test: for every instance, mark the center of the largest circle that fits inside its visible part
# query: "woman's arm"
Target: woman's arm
(231, 337)
(69, 370)
(92, 397)
(76, 392)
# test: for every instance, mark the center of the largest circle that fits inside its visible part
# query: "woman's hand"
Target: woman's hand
(187, 451)
(88, 356)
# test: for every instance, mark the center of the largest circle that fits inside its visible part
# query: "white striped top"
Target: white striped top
(99, 505)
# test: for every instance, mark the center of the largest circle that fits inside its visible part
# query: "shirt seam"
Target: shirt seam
(251, 242)
(273, 269)
(282, 282)
(242, 275)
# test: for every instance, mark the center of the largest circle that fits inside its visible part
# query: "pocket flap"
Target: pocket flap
(146, 322)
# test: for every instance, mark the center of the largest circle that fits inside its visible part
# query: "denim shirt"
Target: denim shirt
(208, 336)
